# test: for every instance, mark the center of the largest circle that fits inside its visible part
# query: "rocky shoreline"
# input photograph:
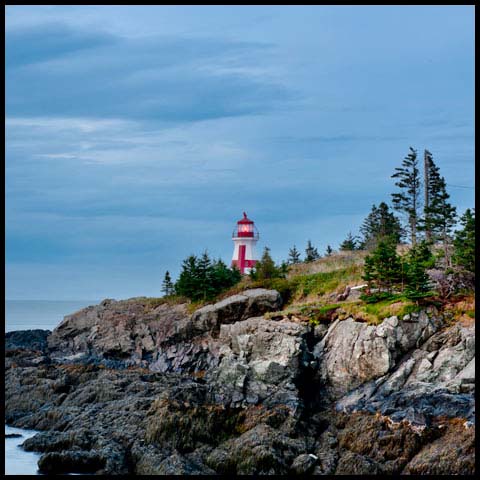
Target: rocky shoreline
(130, 387)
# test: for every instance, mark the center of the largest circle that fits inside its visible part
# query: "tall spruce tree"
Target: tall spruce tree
(294, 256)
(419, 258)
(167, 285)
(311, 252)
(383, 267)
(408, 199)
(204, 272)
(380, 224)
(350, 243)
(188, 282)
(439, 214)
(464, 242)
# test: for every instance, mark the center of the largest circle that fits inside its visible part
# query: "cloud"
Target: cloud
(161, 78)
(48, 41)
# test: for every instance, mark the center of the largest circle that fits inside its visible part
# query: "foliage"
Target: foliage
(383, 268)
(311, 253)
(407, 200)
(167, 285)
(439, 215)
(451, 281)
(377, 297)
(294, 256)
(328, 251)
(464, 242)
(202, 279)
(380, 224)
(350, 243)
(419, 258)
(265, 268)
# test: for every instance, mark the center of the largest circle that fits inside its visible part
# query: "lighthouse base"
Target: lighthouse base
(243, 254)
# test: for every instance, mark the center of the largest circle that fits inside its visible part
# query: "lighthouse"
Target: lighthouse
(244, 236)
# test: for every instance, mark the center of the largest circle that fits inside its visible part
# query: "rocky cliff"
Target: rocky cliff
(132, 388)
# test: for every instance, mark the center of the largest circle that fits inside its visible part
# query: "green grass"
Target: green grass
(323, 283)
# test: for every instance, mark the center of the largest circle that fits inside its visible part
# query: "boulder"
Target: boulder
(27, 339)
(261, 361)
(352, 353)
(236, 308)
(437, 379)
(70, 461)
(123, 330)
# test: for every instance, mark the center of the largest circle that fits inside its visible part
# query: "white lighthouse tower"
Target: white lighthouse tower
(244, 237)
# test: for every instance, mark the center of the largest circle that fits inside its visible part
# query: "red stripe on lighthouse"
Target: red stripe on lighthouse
(241, 258)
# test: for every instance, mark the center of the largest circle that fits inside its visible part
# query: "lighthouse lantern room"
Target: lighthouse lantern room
(245, 236)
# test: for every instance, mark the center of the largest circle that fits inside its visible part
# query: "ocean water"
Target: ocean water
(42, 314)
(26, 315)
(17, 460)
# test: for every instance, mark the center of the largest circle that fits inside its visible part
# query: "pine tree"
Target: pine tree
(350, 243)
(167, 285)
(407, 200)
(222, 277)
(464, 243)
(188, 283)
(265, 268)
(311, 253)
(204, 273)
(328, 251)
(419, 258)
(294, 256)
(380, 224)
(439, 215)
(383, 267)
(202, 279)
(369, 272)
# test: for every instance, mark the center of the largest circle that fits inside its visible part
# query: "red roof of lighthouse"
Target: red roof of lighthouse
(245, 219)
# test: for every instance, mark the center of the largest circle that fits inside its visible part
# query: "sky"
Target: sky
(137, 135)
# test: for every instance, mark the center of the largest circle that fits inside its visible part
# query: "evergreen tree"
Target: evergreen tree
(222, 277)
(294, 256)
(383, 267)
(439, 215)
(350, 243)
(204, 273)
(265, 268)
(407, 200)
(167, 285)
(328, 251)
(202, 279)
(188, 283)
(369, 272)
(419, 258)
(311, 253)
(380, 224)
(464, 243)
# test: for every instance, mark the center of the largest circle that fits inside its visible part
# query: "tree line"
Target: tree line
(428, 221)
(201, 278)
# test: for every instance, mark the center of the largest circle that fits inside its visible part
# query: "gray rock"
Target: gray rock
(249, 303)
(304, 463)
(352, 353)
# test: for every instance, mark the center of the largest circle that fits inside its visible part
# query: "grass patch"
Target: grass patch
(375, 313)
(320, 284)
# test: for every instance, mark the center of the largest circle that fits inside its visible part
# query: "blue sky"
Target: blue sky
(136, 136)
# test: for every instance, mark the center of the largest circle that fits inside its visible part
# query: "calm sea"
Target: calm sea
(43, 314)
(26, 315)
